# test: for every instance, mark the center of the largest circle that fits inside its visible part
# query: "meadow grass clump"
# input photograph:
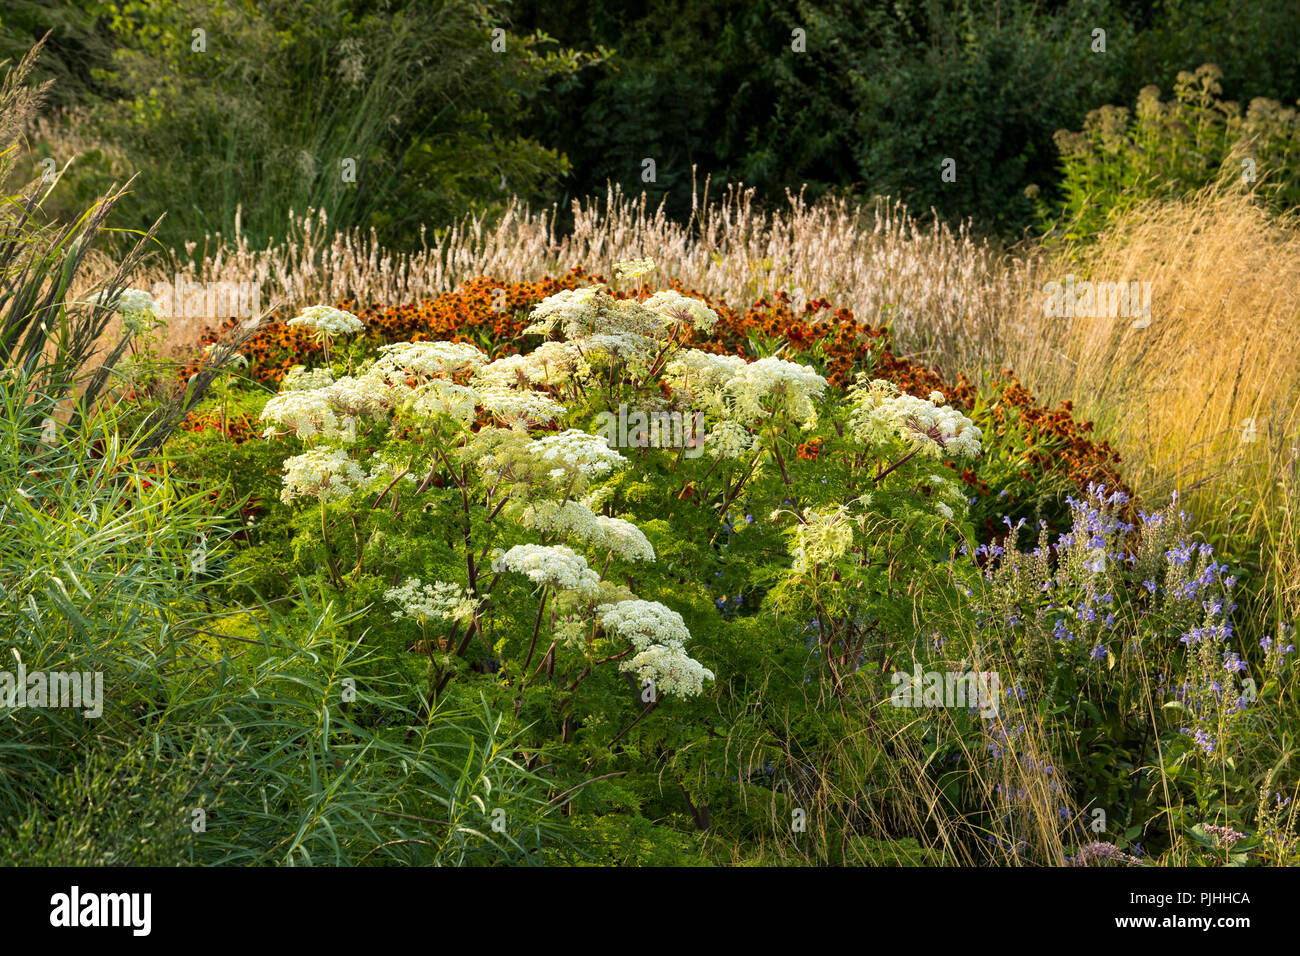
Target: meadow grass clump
(203, 731)
(1206, 399)
(146, 722)
(944, 291)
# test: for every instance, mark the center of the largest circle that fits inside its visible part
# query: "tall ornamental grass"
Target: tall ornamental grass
(144, 721)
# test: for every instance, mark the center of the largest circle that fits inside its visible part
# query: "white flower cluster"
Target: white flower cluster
(730, 440)
(137, 302)
(693, 367)
(658, 635)
(634, 268)
(553, 566)
(676, 307)
(401, 360)
(138, 310)
(133, 301)
(361, 395)
(644, 623)
(554, 363)
(439, 398)
(589, 454)
(577, 522)
(308, 415)
(310, 401)
(824, 536)
(881, 413)
(439, 600)
(572, 519)
(596, 323)
(322, 474)
(510, 371)
(616, 345)
(671, 670)
(701, 377)
(551, 363)
(566, 309)
(302, 379)
(773, 385)
(949, 498)
(518, 407)
(624, 539)
(327, 321)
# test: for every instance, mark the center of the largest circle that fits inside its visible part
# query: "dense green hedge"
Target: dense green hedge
(441, 123)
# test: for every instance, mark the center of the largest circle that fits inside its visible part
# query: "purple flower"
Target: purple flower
(1225, 837)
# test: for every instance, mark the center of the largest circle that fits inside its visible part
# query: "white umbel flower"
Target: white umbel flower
(302, 379)
(137, 308)
(321, 474)
(644, 623)
(439, 398)
(308, 415)
(519, 408)
(775, 386)
(510, 371)
(691, 369)
(624, 539)
(616, 345)
(670, 670)
(553, 566)
(564, 308)
(554, 363)
(598, 324)
(137, 302)
(658, 635)
(551, 363)
(362, 395)
(675, 307)
(881, 414)
(129, 301)
(589, 454)
(634, 268)
(440, 600)
(426, 360)
(729, 440)
(327, 321)
(577, 522)
(700, 378)
(570, 519)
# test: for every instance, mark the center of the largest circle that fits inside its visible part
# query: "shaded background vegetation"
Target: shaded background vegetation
(578, 94)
